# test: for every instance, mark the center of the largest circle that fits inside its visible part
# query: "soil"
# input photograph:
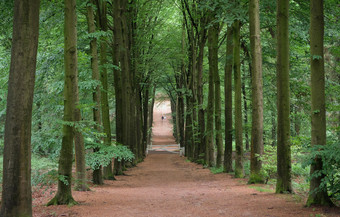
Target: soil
(166, 184)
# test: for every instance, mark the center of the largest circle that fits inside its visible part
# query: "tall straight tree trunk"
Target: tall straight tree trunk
(244, 93)
(189, 127)
(102, 17)
(16, 191)
(239, 172)
(118, 86)
(317, 196)
(274, 126)
(146, 97)
(200, 95)
(97, 173)
(257, 94)
(189, 138)
(245, 107)
(79, 145)
(64, 194)
(213, 67)
(122, 52)
(217, 92)
(180, 83)
(228, 167)
(283, 183)
(135, 82)
(152, 104)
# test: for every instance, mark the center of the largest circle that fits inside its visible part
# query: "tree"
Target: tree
(105, 110)
(257, 95)
(64, 193)
(239, 172)
(79, 144)
(122, 59)
(284, 183)
(213, 69)
(97, 173)
(16, 194)
(228, 167)
(317, 195)
(217, 92)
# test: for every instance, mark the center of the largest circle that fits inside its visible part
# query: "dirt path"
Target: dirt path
(166, 184)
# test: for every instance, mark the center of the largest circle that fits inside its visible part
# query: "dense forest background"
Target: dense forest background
(184, 49)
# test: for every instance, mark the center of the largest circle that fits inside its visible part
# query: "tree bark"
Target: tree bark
(217, 92)
(239, 171)
(180, 87)
(146, 97)
(122, 52)
(228, 103)
(79, 145)
(245, 107)
(97, 174)
(200, 95)
(213, 69)
(152, 104)
(64, 194)
(283, 183)
(105, 110)
(317, 196)
(16, 193)
(257, 94)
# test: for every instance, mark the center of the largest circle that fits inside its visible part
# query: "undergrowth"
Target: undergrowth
(44, 171)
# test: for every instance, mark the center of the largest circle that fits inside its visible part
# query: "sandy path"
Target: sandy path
(166, 184)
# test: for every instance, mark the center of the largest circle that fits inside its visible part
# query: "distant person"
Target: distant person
(163, 117)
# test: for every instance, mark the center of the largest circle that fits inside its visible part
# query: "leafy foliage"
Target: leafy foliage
(105, 153)
(330, 155)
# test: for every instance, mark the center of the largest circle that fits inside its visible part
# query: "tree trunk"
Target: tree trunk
(244, 93)
(284, 183)
(118, 86)
(102, 17)
(317, 196)
(180, 85)
(97, 174)
(217, 85)
(245, 107)
(213, 69)
(189, 137)
(64, 194)
(239, 172)
(79, 145)
(200, 95)
(150, 119)
(122, 52)
(146, 111)
(257, 94)
(228, 103)
(16, 191)
(274, 126)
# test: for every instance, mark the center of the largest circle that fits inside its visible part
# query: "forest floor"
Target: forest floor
(166, 184)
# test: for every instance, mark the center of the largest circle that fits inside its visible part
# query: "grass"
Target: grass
(216, 170)
(266, 188)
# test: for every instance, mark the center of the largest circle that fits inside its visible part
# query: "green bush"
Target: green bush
(330, 155)
(269, 162)
(44, 171)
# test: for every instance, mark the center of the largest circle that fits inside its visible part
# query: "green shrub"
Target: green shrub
(44, 171)
(104, 154)
(216, 170)
(330, 155)
(269, 163)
